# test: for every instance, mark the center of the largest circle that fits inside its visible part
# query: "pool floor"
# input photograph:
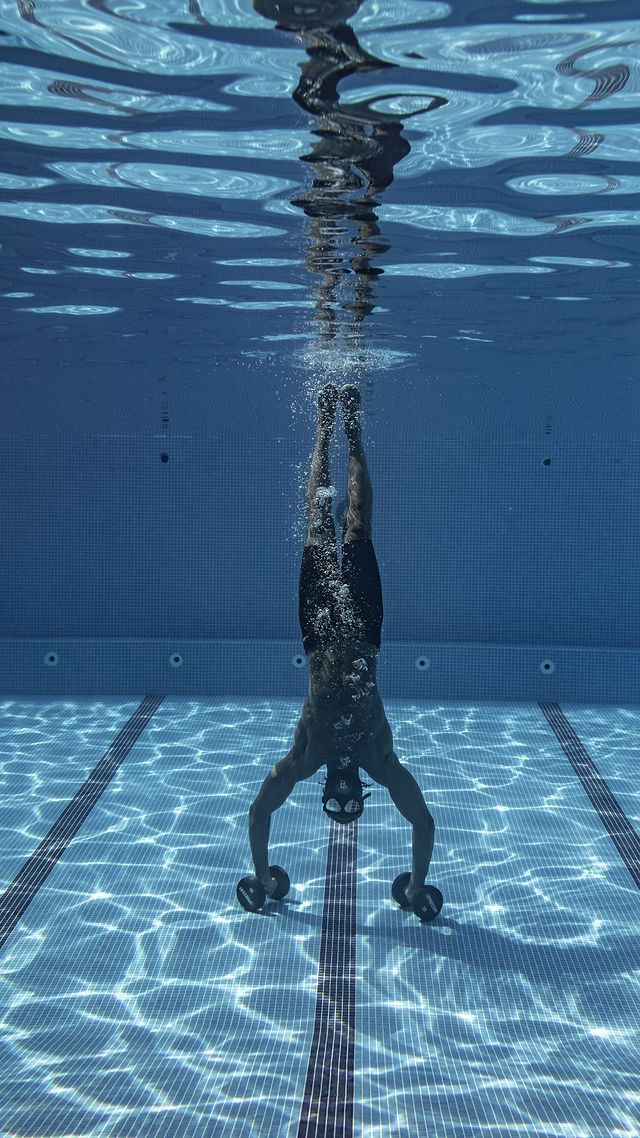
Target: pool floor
(139, 999)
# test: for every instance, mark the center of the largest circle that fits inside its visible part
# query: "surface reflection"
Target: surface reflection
(353, 161)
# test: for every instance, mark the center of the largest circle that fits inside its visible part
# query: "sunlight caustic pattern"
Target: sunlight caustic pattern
(139, 999)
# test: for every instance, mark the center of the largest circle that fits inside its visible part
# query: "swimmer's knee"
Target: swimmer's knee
(357, 533)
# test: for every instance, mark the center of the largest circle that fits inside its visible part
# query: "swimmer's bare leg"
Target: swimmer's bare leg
(357, 519)
(321, 529)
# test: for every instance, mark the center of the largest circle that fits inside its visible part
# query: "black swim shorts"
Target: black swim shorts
(340, 603)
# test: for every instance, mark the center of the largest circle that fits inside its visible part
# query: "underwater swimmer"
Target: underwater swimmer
(343, 723)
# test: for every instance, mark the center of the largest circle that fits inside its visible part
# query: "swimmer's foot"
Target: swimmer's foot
(328, 398)
(350, 400)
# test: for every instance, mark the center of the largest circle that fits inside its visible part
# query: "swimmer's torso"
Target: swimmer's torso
(343, 713)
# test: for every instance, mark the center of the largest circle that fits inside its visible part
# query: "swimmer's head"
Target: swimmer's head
(343, 800)
(296, 15)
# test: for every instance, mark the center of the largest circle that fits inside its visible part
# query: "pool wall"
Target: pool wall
(510, 567)
(61, 666)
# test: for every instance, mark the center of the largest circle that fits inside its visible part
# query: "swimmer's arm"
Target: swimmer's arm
(275, 790)
(408, 798)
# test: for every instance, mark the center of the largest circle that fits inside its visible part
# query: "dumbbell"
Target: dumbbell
(427, 903)
(252, 894)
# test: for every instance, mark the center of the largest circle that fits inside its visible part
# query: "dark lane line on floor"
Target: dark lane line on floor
(327, 1106)
(610, 812)
(20, 893)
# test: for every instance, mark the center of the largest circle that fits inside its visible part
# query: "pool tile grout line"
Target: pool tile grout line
(611, 814)
(327, 1105)
(20, 893)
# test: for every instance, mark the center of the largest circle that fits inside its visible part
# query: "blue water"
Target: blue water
(207, 210)
(441, 200)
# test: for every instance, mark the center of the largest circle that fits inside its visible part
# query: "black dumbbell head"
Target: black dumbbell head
(251, 894)
(282, 878)
(428, 903)
(398, 890)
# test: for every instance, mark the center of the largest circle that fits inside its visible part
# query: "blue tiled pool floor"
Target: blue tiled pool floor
(140, 1000)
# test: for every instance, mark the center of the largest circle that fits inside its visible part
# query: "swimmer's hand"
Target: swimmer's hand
(411, 892)
(270, 885)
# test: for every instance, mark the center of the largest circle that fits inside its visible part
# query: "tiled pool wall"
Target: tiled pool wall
(60, 666)
(510, 568)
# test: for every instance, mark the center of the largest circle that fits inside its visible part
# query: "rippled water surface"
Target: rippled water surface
(445, 189)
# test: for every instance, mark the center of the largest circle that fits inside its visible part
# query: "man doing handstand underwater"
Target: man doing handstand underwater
(343, 723)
